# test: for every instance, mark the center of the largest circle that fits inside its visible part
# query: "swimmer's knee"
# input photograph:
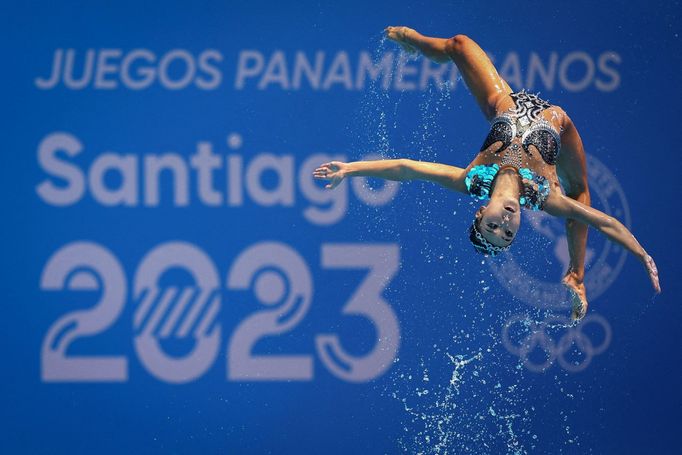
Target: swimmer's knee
(457, 44)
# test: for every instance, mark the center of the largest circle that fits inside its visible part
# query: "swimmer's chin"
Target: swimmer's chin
(512, 205)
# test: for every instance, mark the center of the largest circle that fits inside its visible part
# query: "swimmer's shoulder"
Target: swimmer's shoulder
(559, 118)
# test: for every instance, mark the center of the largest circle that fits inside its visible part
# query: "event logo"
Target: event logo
(138, 69)
(178, 296)
(317, 70)
(571, 346)
(177, 292)
(206, 177)
(603, 262)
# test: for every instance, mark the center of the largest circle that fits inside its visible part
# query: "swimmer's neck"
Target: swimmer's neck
(507, 184)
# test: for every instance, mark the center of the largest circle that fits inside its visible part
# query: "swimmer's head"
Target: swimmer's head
(495, 225)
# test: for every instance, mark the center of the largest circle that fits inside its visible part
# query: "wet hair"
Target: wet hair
(481, 245)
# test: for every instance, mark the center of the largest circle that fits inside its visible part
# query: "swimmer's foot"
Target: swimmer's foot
(578, 296)
(399, 35)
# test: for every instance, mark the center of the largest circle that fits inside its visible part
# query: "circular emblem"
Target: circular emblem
(603, 259)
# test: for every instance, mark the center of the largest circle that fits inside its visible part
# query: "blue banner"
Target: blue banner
(174, 280)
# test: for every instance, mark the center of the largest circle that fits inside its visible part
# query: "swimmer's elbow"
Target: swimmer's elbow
(405, 169)
(607, 223)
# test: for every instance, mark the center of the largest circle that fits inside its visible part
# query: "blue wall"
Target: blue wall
(230, 305)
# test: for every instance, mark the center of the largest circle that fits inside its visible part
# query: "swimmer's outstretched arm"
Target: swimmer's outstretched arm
(478, 71)
(450, 177)
(565, 207)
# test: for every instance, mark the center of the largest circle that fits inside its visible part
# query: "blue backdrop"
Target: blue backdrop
(174, 281)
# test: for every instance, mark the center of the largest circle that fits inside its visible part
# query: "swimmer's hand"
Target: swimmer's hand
(399, 35)
(653, 272)
(334, 171)
(578, 295)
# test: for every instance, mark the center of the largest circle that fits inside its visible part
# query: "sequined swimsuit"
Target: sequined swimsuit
(524, 121)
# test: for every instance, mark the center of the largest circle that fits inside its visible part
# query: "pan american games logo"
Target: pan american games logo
(182, 306)
(603, 262)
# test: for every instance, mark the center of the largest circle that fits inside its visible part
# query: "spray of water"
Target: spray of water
(469, 395)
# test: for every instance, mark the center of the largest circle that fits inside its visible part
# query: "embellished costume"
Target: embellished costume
(525, 121)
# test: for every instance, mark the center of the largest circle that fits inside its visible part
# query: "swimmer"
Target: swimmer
(532, 151)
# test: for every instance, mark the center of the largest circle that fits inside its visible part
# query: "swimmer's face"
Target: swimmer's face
(499, 221)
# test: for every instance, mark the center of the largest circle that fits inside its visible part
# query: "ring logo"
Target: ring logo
(603, 263)
(571, 347)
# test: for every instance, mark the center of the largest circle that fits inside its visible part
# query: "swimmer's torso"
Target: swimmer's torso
(525, 133)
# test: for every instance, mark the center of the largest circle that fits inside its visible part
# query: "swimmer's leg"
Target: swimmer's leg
(477, 70)
(413, 41)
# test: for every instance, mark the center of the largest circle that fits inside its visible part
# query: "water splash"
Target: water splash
(449, 416)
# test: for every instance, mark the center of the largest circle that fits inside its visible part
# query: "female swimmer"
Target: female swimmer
(532, 150)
